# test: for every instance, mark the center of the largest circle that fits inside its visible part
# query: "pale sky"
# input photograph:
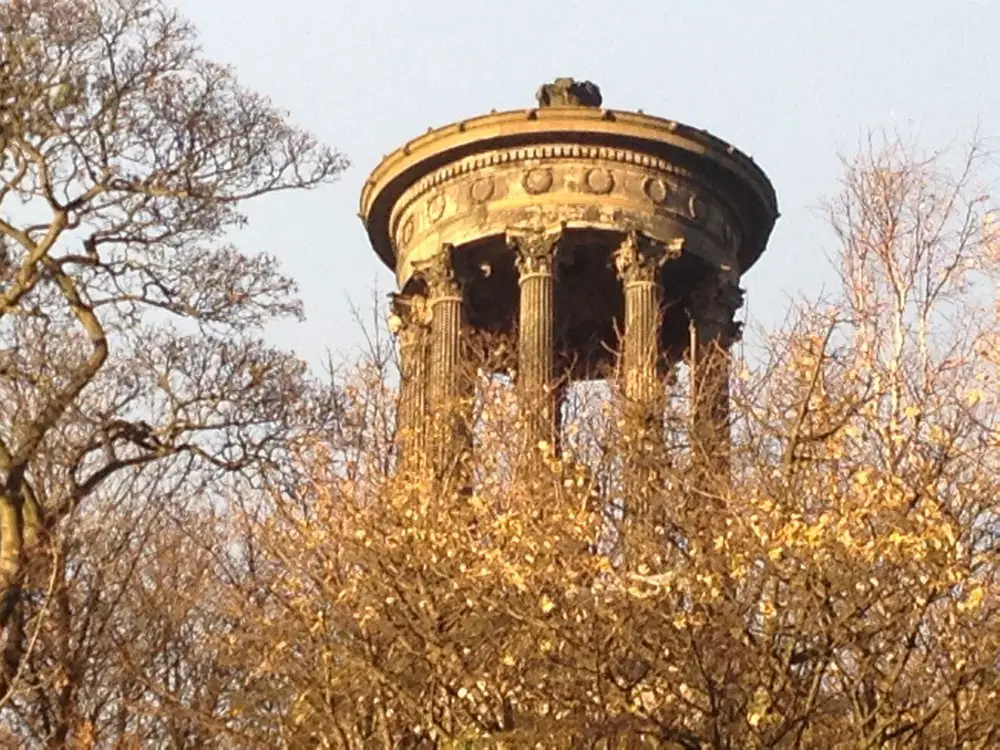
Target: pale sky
(792, 83)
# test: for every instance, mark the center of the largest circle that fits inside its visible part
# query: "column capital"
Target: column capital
(439, 274)
(535, 249)
(713, 303)
(638, 259)
(409, 317)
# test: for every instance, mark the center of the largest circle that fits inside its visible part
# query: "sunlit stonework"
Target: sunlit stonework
(598, 242)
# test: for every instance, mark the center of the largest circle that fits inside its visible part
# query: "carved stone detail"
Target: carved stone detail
(439, 275)
(406, 233)
(482, 189)
(656, 189)
(555, 151)
(410, 321)
(712, 304)
(537, 181)
(535, 255)
(638, 260)
(435, 207)
(647, 171)
(711, 307)
(541, 195)
(409, 317)
(695, 207)
(535, 250)
(566, 92)
(600, 181)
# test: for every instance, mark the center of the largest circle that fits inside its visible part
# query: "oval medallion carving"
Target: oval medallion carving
(435, 207)
(537, 181)
(482, 189)
(406, 233)
(655, 189)
(600, 181)
(696, 207)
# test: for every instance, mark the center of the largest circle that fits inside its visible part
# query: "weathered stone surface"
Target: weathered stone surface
(535, 260)
(712, 306)
(444, 386)
(589, 187)
(512, 225)
(410, 322)
(566, 92)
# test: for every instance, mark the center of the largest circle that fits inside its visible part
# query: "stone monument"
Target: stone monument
(598, 243)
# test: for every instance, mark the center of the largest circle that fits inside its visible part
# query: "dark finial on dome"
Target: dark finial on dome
(566, 92)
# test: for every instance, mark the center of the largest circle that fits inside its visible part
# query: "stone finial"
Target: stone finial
(566, 92)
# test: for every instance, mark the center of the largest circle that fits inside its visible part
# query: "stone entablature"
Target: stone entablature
(587, 187)
(606, 166)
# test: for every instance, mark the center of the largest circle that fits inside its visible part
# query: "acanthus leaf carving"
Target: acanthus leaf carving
(438, 274)
(712, 305)
(409, 317)
(534, 249)
(638, 258)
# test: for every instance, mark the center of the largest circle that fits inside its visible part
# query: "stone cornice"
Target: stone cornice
(508, 125)
(557, 134)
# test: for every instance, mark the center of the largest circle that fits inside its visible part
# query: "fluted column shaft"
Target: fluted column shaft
(638, 262)
(712, 306)
(411, 318)
(535, 256)
(445, 365)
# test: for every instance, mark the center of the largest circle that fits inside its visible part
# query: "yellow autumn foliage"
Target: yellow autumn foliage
(838, 590)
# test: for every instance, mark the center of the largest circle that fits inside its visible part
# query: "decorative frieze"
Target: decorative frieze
(484, 195)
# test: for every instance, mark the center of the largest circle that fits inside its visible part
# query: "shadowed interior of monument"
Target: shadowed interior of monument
(589, 303)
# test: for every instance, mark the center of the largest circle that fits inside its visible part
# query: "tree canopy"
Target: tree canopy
(203, 544)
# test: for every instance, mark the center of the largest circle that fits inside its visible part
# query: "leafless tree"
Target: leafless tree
(132, 372)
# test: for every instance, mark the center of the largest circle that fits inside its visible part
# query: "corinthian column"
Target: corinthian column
(535, 255)
(445, 366)
(712, 305)
(638, 262)
(410, 321)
